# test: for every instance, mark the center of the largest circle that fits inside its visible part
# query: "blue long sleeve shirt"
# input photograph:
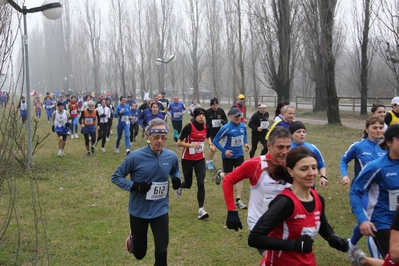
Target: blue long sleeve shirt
(177, 110)
(144, 165)
(315, 150)
(233, 136)
(363, 152)
(380, 180)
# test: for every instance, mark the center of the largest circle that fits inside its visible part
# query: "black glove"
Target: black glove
(233, 220)
(303, 244)
(338, 243)
(142, 187)
(52, 128)
(67, 124)
(176, 182)
(103, 115)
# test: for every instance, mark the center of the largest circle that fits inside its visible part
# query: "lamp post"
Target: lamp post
(160, 61)
(52, 9)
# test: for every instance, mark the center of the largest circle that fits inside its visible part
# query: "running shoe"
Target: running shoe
(206, 164)
(59, 153)
(217, 177)
(103, 150)
(129, 243)
(92, 149)
(178, 192)
(112, 133)
(240, 205)
(358, 256)
(127, 152)
(107, 139)
(202, 214)
(210, 165)
(76, 136)
(48, 122)
(62, 153)
(116, 150)
(349, 254)
(88, 153)
(95, 143)
(72, 136)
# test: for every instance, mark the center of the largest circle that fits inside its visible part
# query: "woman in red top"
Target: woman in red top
(193, 138)
(73, 109)
(287, 230)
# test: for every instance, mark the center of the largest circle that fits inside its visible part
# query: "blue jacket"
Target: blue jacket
(363, 152)
(177, 108)
(126, 112)
(144, 165)
(149, 117)
(233, 136)
(378, 179)
(315, 150)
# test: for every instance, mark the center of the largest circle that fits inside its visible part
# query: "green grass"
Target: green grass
(85, 219)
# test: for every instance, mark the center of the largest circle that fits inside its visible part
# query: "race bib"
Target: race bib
(264, 124)
(216, 122)
(74, 112)
(89, 120)
(158, 191)
(311, 231)
(237, 141)
(134, 119)
(103, 120)
(393, 199)
(61, 122)
(194, 150)
(125, 118)
(49, 106)
(177, 115)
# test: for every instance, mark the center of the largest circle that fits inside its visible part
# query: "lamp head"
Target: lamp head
(54, 10)
(158, 61)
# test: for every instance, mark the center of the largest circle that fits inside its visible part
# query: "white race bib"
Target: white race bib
(177, 115)
(134, 119)
(237, 141)
(61, 122)
(125, 118)
(88, 120)
(264, 124)
(48, 107)
(216, 122)
(393, 199)
(158, 191)
(194, 150)
(103, 120)
(74, 112)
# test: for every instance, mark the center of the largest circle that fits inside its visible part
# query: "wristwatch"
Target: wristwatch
(324, 176)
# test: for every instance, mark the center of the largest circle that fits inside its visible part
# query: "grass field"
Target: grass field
(84, 216)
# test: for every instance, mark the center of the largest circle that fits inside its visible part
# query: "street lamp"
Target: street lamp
(52, 9)
(160, 61)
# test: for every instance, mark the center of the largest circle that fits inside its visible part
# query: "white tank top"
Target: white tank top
(60, 119)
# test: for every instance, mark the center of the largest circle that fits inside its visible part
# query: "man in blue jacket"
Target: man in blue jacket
(149, 191)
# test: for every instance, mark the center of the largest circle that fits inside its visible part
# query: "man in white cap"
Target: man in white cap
(392, 116)
(259, 123)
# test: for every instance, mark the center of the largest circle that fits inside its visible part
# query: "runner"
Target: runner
(215, 118)
(298, 132)
(60, 126)
(149, 191)
(279, 112)
(176, 111)
(233, 136)
(241, 106)
(288, 118)
(104, 113)
(112, 109)
(23, 109)
(134, 122)
(378, 181)
(259, 123)
(194, 104)
(379, 110)
(392, 117)
(48, 106)
(193, 138)
(88, 120)
(73, 108)
(122, 113)
(288, 228)
(38, 108)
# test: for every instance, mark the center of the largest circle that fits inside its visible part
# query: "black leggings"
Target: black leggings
(134, 130)
(381, 240)
(254, 145)
(199, 169)
(109, 127)
(102, 133)
(160, 230)
(177, 125)
(93, 138)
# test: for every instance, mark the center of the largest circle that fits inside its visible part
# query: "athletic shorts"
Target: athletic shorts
(64, 136)
(230, 164)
